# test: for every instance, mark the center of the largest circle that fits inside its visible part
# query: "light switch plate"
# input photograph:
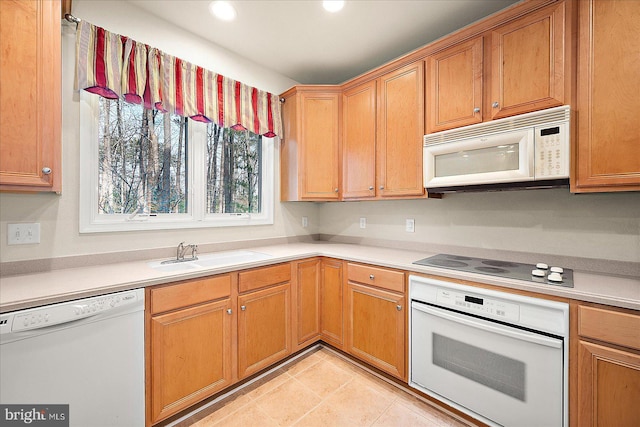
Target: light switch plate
(305, 222)
(363, 222)
(410, 225)
(23, 234)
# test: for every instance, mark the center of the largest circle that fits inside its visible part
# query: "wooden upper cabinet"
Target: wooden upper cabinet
(607, 150)
(454, 86)
(400, 130)
(528, 63)
(310, 155)
(30, 105)
(359, 141)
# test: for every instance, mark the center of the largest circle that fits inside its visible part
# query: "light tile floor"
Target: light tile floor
(321, 389)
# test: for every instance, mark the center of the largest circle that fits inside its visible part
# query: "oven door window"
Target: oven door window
(504, 374)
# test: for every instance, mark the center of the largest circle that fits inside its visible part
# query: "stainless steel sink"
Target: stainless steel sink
(216, 259)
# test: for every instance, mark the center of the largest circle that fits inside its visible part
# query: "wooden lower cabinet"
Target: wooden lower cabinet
(190, 356)
(331, 302)
(608, 361)
(307, 306)
(376, 327)
(264, 328)
(609, 386)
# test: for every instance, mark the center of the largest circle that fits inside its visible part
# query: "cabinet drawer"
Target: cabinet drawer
(610, 326)
(380, 277)
(184, 294)
(261, 277)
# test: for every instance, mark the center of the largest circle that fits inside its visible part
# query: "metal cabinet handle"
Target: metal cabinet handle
(399, 307)
(46, 170)
(371, 276)
(495, 105)
(335, 190)
(229, 311)
(371, 187)
(243, 308)
(476, 110)
(382, 187)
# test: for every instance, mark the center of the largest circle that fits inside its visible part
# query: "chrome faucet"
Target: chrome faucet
(182, 249)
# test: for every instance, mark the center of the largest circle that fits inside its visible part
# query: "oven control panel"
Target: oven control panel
(487, 307)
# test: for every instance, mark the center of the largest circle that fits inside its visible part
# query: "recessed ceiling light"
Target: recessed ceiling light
(333, 5)
(222, 10)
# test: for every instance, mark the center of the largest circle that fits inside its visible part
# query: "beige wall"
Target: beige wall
(604, 226)
(58, 214)
(601, 226)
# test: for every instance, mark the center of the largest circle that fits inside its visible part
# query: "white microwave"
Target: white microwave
(528, 150)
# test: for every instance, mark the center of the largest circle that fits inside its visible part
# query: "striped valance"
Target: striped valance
(115, 66)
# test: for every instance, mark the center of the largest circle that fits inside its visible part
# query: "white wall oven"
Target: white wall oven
(499, 357)
(529, 150)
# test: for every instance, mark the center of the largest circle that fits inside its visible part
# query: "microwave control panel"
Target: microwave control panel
(552, 151)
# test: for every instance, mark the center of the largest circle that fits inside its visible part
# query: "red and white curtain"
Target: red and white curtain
(115, 66)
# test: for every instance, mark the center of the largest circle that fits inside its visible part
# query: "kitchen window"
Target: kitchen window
(142, 169)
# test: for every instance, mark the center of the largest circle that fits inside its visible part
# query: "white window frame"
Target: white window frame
(93, 222)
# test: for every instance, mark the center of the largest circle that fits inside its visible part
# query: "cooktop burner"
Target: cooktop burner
(538, 273)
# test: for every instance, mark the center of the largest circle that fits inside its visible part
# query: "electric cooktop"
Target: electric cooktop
(538, 273)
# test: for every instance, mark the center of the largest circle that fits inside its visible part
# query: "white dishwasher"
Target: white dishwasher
(86, 353)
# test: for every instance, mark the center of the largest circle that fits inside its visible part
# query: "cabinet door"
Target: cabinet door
(454, 86)
(528, 63)
(30, 105)
(331, 302)
(608, 138)
(307, 302)
(608, 386)
(376, 328)
(400, 132)
(319, 146)
(359, 141)
(264, 328)
(190, 356)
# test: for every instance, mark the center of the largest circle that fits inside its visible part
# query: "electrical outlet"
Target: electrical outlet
(305, 222)
(410, 225)
(23, 234)
(363, 222)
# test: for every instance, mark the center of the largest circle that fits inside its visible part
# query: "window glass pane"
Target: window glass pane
(142, 160)
(234, 171)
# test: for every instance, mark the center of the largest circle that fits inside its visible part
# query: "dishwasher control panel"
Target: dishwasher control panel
(64, 312)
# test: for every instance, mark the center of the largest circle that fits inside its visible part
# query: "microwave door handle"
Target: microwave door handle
(489, 327)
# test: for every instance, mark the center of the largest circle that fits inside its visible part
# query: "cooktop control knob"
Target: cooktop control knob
(538, 273)
(555, 277)
(542, 266)
(557, 270)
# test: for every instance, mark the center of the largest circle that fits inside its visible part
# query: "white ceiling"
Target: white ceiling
(300, 40)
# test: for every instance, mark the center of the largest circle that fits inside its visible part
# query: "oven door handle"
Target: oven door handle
(489, 326)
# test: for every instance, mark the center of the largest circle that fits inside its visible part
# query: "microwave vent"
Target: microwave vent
(544, 117)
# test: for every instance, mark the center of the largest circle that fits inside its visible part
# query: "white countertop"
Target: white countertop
(31, 290)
